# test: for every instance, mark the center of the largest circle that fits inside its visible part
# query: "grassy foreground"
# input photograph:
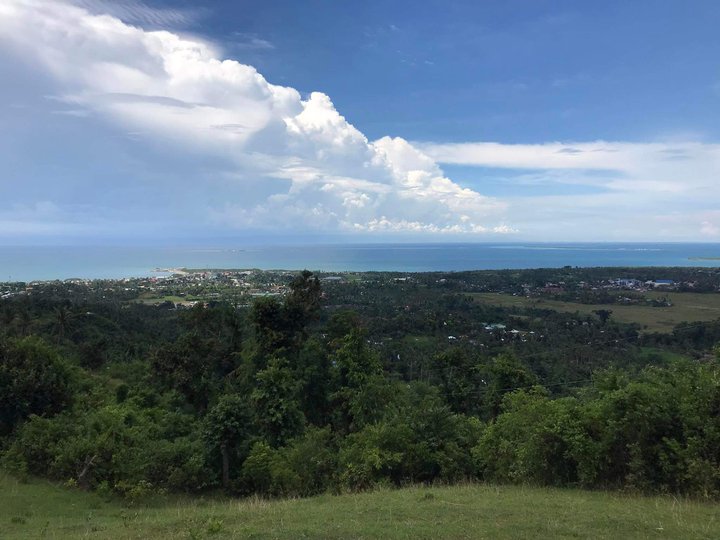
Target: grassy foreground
(42, 510)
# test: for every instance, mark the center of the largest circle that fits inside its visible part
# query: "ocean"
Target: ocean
(47, 263)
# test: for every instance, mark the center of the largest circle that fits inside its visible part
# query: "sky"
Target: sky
(379, 121)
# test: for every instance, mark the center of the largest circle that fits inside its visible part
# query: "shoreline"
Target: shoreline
(60, 263)
(172, 271)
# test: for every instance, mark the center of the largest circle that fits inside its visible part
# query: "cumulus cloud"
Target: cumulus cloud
(319, 172)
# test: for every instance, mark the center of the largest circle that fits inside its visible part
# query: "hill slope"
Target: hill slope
(41, 509)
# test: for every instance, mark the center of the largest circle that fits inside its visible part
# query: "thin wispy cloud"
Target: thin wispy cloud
(247, 41)
(641, 184)
(136, 12)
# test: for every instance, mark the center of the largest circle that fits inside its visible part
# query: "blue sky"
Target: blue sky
(181, 121)
(511, 71)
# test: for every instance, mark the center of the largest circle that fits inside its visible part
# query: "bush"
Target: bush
(33, 380)
(261, 470)
(305, 467)
(535, 440)
(116, 445)
(421, 441)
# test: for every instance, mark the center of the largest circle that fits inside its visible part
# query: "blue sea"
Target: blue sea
(46, 263)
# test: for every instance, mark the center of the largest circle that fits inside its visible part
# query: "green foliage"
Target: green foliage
(269, 324)
(461, 379)
(313, 459)
(33, 380)
(282, 400)
(504, 375)
(313, 369)
(276, 403)
(257, 470)
(229, 421)
(303, 303)
(361, 392)
(283, 325)
(228, 428)
(341, 324)
(658, 432)
(421, 441)
(304, 467)
(116, 445)
(535, 439)
(603, 315)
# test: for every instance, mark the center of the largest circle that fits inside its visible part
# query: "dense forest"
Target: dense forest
(346, 385)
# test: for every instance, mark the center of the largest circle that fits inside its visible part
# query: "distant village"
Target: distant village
(181, 288)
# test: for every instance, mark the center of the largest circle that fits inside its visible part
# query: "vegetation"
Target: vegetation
(676, 308)
(41, 509)
(380, 380)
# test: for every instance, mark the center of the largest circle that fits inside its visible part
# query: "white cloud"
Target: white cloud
(135, 12)
(630, 158)
(43, 217)
(242, 40)
(710, 225)
(273, 159)
(179, 91)
(610, 190)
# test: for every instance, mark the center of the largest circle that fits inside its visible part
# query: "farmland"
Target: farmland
(686, 307)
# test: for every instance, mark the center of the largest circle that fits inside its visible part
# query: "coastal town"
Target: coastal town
(185, 287)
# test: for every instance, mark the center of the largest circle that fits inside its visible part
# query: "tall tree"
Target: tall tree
(33, 380)
(228, 427)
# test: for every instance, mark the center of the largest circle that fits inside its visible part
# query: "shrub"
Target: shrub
(33, 380)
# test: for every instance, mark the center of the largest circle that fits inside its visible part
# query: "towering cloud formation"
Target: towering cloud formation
(314, 170)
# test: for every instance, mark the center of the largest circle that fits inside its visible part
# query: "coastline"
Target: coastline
(46, 263)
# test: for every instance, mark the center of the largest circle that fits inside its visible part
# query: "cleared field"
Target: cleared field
(153, 300)
(687, 307)
(40, 509)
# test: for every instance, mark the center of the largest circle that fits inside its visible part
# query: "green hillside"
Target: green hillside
(39, 509)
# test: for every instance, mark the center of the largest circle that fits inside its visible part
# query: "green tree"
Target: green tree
(283, 325)
(276, 403)
(535, 440)
(61, 324)
(228, 427)
(358, 383)
(419, 440)
(303, 303)
(603, 315)
(196, 365)
(460, 379)
(504, 374)
(270, 326)
(33, 380)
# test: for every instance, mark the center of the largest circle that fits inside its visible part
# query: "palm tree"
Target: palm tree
(62, 321)
(7, 316)
(24, 319)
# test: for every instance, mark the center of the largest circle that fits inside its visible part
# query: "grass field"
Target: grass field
(169, 298)
(41, 510)
(687, 307)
